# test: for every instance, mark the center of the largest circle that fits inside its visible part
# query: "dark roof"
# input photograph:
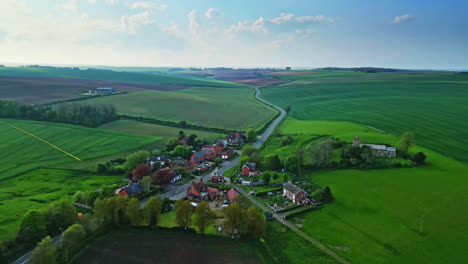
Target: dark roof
(180, 162)
(176, 173)
(250, 165)
(204, 165)
(162, 157)
(199, 154)
(229, 151)
(292, 188)
(133, 189)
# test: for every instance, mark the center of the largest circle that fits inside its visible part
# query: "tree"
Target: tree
(319, 154)
(247, 150)
(287, 141)
(327, 195)
(287, 108)
(33, 226)
(266, 177)
(156, 152)
(59, 216)
(251, 134)
(99, 208)
(272, 162)
(218, 161)
(184, 211)
(275, 176)
(166, 205)
(163, 177)
(134, 159)
(179, 151)
(292, 164)
(89, 222)
(172, 143)
(133, 211)
(140, 171)
(181, 134)
(317, 195)
(146, 183)
(203, 216)
(45, 253)
(256, 157)
(406, 141)
(192, 140)
(72, 235)
(256, 223)
(183, 123)
(419, 158)
(234, 218)
(151, 211)
(77, 197)
(285, 177)
(115, 209)
(93, 195)
(108, 191)
(101, 168)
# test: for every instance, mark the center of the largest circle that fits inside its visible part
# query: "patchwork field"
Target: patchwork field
(20, 152)
(432, 105)
(166, 132)
(376, 216)
(211, 107)
(37, 189)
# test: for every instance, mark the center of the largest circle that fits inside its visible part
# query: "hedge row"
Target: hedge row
(306, 209)
(289, 208)
(261, 193)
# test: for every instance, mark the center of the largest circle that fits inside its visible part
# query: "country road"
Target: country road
(25, 258)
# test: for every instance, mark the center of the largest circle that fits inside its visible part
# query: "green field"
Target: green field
(210, 107)
(20, 152)
(37, 189)
(166, 132)
(432, 105)
(377, 213)
(109, 75)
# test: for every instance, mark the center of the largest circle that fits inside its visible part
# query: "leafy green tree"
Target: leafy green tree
(108, 191)
(317, 195)
(45, 253)
(166, 205)
(251, 134)
(99, 208)
(266, 177)
(287, 141)
(327, 195)
(77, 197)
(275, 176)
(59, 216)
(247, 150)
(72, 235)
(146, 182)
(203, 216)
(419, 158)
(133, 211)
(33, 226)
(218, 161)
(319, 154)
(192, 140)
(151, 211)
(256, 223)
(101, 168)
(287, 108)
(292, 164)
(272, 162)
(256, 157)
(134, 159)
(234, 218)
(406, 141)
(156, 152)
(172, 143)
(184, 211)
(115, 209)
(179, 151)
(89, 222)
(181, 134)
(93, 195)
(285, 177)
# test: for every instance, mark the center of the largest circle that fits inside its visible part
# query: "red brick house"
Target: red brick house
(219, 148)
(131, 190)
(198, 157)
(293, 193)
(227, 154)
(232, 194)
(217, 176)
(199, 192)
(210, 152)
(204, 167)
(248, 169)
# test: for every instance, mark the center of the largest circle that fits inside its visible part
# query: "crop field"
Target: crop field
(255, 77)
(166, 132)
(432, 105)
(20, 152)
(376, 215)
(108, 75)
(37, 189)
(210, 107)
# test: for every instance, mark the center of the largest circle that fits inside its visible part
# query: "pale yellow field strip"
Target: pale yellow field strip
(50, 144)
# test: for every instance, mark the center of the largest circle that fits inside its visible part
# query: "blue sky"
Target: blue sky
(300, 33)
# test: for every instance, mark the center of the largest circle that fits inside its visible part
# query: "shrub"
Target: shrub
(317, 195)
(287, 141)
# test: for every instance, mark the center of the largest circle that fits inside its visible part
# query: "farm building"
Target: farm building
(293, 193)
(227, 154)
(248, 169)
(105, 91)
(217, 176)
(377, 150)
(130, 190)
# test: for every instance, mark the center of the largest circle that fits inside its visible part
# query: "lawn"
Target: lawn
(20, 152)
(432, 105)
(166, 132)
(38, 188)
(210, 107)
(377, 214)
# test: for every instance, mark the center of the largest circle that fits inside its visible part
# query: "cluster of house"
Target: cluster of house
(103, 91)
(200, 192)
(131, 190)
(377, 150)
(297, 196)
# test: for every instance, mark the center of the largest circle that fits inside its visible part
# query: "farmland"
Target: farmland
(38, 188)
(376, 215)
(429, 104)
(20, 152)
(166, 132)
(205, 106)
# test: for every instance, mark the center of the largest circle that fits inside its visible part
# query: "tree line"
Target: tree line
(77, 114)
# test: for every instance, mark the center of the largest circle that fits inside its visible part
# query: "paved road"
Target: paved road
(25, 259)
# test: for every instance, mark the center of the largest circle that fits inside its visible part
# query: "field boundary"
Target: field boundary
(50, 144)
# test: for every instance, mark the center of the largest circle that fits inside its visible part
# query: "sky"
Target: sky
(410, 34)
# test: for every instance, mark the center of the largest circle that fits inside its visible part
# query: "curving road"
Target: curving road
(25, 259)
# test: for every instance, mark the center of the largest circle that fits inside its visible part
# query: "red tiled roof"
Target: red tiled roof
(211, 190)
(232, 194)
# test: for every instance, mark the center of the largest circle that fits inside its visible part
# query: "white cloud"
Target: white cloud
(69, 5)
(284, 17)
(149, 6)
(247, 26)
(213, 13)
(401, 19)
(194, 25)
(318, 18)
(130, 23)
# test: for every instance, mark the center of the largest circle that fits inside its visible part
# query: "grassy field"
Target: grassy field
(109, 75)
(377, 214)
(20, 152)
(205, 106)
(37, 189)
(432, 105)
(166, 132)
